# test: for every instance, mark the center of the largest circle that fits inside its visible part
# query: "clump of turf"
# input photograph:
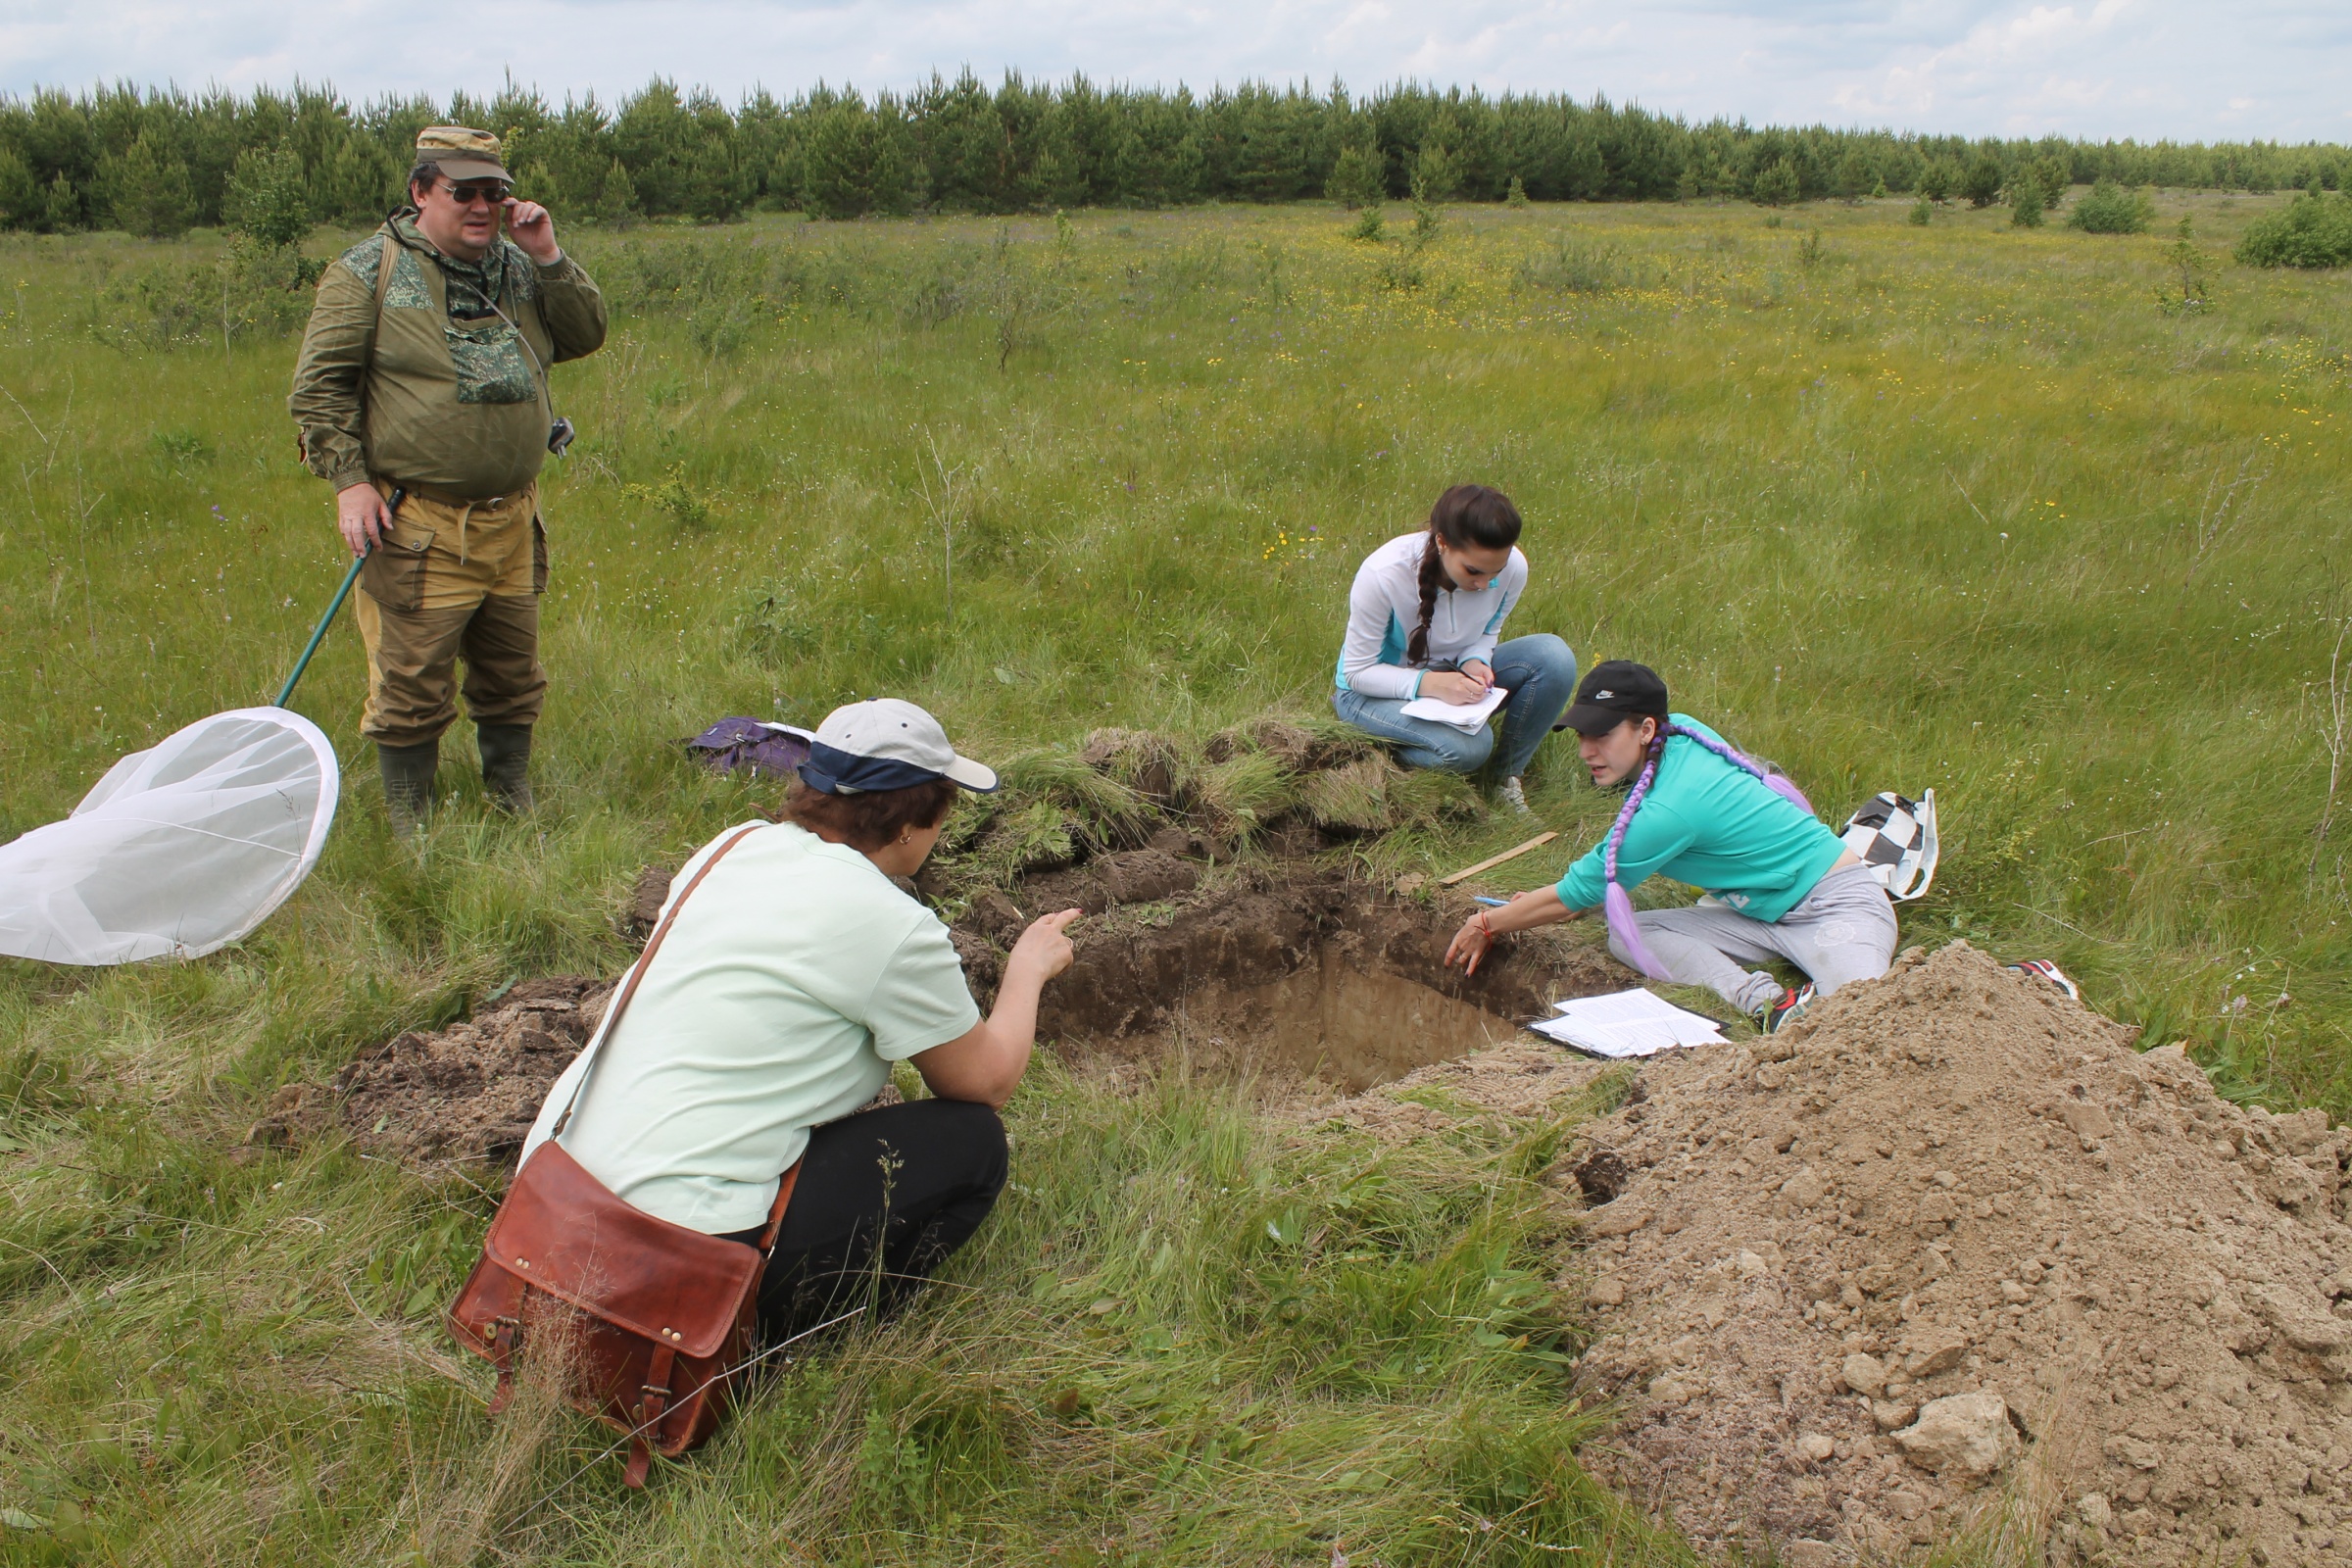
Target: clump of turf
(1227, 793)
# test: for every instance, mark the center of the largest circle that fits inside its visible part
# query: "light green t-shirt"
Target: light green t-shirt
(793, 976)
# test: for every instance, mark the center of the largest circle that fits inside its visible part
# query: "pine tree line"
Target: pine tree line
(157, 162)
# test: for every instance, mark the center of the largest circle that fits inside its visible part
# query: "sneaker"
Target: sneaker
(2044, 969)
(1792, 1005)
(1514, 798)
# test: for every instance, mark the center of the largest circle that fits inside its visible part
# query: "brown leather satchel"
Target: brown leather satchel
(654, 1320)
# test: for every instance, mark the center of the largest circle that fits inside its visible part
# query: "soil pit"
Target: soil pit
(1283, 972)
(1288, 974)
(1950, 1245)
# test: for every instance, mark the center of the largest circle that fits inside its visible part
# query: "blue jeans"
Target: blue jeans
(1539, 673)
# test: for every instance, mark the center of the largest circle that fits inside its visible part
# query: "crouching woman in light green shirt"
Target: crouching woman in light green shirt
(789, 983)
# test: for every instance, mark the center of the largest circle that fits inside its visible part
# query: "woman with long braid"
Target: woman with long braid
(1780, 884)
(1423, 620)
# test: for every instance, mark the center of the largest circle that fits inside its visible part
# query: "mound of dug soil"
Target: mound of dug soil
(1950, 1240)
(468, 1092)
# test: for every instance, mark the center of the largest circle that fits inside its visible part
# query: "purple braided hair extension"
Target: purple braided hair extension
(1617, 902)
(1779, 783)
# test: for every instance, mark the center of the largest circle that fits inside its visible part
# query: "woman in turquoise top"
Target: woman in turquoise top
(1780, 885)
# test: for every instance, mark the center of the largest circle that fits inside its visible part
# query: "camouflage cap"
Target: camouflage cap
(462, 153)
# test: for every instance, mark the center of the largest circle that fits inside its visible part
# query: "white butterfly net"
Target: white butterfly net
(179, 850)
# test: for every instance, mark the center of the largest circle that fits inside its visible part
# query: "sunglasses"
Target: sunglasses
(493, 191)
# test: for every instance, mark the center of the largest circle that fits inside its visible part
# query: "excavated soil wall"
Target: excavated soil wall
(1286, 970)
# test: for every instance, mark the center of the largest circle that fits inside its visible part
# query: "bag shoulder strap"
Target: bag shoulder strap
(383, 272)
(775, 1212)
(628, 987)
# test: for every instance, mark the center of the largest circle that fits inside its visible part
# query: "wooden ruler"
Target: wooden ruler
(1493, 860)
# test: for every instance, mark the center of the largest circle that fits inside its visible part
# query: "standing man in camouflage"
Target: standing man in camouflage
(425, 370)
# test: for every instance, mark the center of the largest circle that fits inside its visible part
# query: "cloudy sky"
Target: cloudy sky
(2092, 67)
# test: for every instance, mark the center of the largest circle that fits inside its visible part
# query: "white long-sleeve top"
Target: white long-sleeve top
(1385, 605)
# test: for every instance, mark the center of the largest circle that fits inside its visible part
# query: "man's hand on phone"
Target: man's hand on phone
(529, 227)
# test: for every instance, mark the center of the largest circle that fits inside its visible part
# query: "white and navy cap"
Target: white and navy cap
(885, 742)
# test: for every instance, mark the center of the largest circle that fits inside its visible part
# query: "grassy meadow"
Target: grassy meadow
(1954, 505)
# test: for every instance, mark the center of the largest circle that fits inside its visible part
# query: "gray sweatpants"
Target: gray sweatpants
(1841, 931)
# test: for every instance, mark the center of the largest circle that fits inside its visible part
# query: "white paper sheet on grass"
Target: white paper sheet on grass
(1628, 1023)
(1462, 715)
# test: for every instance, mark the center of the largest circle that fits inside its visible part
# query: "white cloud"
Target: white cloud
(2141, 68)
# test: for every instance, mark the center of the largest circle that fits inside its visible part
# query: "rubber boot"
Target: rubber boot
(408, 783)
(506, 766)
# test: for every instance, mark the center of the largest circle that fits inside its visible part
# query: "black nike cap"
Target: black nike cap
(1613, 692)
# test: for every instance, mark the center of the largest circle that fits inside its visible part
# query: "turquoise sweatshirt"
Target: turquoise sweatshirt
(1714, 825)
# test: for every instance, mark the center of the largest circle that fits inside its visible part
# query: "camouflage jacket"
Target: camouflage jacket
(435, 389)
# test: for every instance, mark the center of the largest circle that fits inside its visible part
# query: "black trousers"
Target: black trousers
(883, 1200)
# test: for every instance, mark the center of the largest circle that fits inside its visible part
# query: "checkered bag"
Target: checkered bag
(1896, 840)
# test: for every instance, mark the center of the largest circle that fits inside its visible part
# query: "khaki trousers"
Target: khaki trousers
(453, 581)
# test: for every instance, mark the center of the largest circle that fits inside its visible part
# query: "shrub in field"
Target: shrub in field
(179, 450)
(1921, 211)
(1516, 196)
(147, 188)
(2109, 209)
(2312, 230)
(2053, 176)
(2025, 204)
(1020, 299)
(251, 291)
(1427, 221)
(1367, 225)
(161, 308)
(2193, 272)
(1359, 178)
(1575, 266)
(1398, 273)
(268, 201)
(1982, 182)
(1436, 175)
(1777, 186)
(675, 499)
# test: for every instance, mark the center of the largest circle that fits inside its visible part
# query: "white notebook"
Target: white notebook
(1464, 717)
(1626, 1023)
